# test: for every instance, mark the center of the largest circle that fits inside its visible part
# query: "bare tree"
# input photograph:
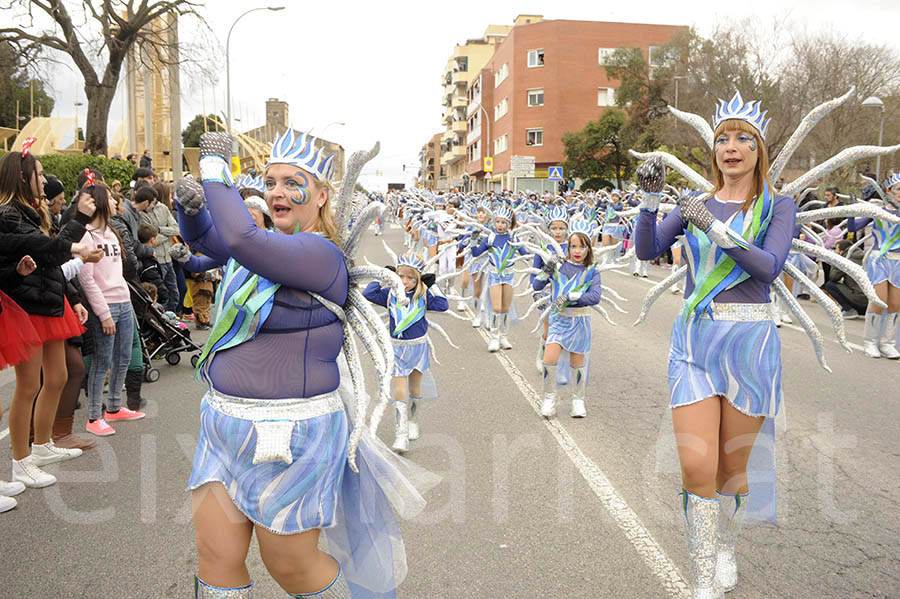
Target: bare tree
(98, 39)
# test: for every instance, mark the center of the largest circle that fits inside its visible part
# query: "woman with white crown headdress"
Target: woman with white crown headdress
(883, 267)
(412, 354)
(283, 450)
(725, 359)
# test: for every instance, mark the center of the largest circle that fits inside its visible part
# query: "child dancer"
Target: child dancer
(408, 327)
(558, 226)
(570, 327)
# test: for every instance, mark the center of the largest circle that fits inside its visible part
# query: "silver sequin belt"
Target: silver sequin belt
(574, 312)
(274, 419)
(739, 312)
(408, 342)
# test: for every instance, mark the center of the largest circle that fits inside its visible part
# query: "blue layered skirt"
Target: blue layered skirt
(411, 354)
(741, 361)
(885, 268)
(572, 332)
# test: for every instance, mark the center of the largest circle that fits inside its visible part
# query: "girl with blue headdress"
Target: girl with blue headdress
(500, 275)
(569, 327)
(882, 263)
(412, 356)
(558, 227)
(725, 356)
(276, 456)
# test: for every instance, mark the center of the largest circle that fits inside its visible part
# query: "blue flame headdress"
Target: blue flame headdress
(251, 182)
(302, 152)
(558, 213)
(894, 179)
(412, 260)
(584, 226)
(749, 113)
(504, 212)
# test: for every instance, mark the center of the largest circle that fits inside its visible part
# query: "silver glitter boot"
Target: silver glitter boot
(338, 589)
(578, 410)
(539, 361)
(494, 343)
(888, 345)
(701, 516)
(548, 406)
(414, 417)
(401, 433)
(205, 591)
(870, 335)
(732, 513)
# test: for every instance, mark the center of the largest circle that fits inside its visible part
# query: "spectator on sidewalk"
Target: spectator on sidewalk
(146, 160)
(843, 288)
(149, 270)
(160, 216)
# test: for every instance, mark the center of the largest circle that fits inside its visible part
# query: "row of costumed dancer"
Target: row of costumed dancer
(287, 448)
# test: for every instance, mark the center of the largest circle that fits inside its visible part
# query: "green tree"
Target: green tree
(190, 137)
(15, 85)
(599, 149)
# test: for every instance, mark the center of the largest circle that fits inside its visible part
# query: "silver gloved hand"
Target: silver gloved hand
(189, 194)
(180, 253)
(651, 176)
(215, 158)
(693, 209)
(574, 296)
(550, 267)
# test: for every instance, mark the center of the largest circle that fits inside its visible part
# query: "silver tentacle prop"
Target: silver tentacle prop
(383, 276)
(376, 340)
(858, 245)
(808, 230)
(844, 157)
(800, 133)
(803, 318)
(345, 197)
(443, 333)
(541, 302)
(613, 293)
(860, 209)
(833, 310)
(885, 197)
(697, 122)
(359, 391)
(431, 349)
(657, 290)
(360, 226)
(854, 270)
(612, 303)
(694, 178)
(555, 306)
(390, 252)
(602, 312)
(547, 238)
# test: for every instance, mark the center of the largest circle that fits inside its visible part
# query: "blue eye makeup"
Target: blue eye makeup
(722, 139)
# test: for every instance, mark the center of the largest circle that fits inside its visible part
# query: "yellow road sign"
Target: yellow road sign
(488, 164)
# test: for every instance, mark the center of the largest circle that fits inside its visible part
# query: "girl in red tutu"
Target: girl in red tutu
(41, 294)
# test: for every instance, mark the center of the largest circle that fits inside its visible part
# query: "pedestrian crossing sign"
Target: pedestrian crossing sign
(555, 173)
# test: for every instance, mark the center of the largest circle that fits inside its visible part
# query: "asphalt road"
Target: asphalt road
(526, 507)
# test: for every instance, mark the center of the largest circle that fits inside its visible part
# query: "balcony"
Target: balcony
(459, 126)
(458, 101)
(455, 154)
(459, 78)
(473, 135)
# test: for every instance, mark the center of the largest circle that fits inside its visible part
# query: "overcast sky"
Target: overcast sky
(377, 65)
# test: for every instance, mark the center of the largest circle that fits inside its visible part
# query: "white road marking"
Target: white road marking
(650, 281)
(4, 433)
(626, 519)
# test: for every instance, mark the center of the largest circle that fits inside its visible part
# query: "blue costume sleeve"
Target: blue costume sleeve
(304, 261)
(200, 234)
(857, 224)
(482, 248)
(436, 303)
(592, 296)
(765, 263)
(538, 263)
(376, 294)
(200, 264)
(651, 240)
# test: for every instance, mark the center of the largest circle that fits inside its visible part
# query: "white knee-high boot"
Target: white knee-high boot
(401, 433)
(888, 344)
(580, 381)
(548, 406)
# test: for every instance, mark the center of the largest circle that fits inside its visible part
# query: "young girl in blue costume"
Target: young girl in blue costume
(569, 329)
(476, 268)
(725, 356)
(558, 227)
(500, 275)
(272, 454)
(408, 326)
(882, 263)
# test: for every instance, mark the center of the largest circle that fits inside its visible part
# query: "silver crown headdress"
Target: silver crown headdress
(584, 226)
(504, 212)
(749, 113)
(256, 183)
(412, 260)
(894, 179)
(558, 213)
(302, 152)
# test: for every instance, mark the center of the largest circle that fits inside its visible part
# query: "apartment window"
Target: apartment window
(535, 58)
(534, 137)
(606, 96)
(660, 56)
(501, 74)
(501, 109)
(604, 54)
(500, 144)
(536, 97)
(474, 151)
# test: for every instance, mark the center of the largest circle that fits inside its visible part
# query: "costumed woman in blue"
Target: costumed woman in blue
(882, 263)
(283, 450)
(558, 227)
(575, 288)
(500, 275)
(725, 357)
(412, 354)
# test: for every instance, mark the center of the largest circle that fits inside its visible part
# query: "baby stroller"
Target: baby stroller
(160, 334)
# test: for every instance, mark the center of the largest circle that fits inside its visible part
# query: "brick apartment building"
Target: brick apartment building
(430, 158)
(546, 78)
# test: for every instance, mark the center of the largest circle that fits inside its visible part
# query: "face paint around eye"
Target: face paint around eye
(722, 139)
(300, 193)
(301, 196)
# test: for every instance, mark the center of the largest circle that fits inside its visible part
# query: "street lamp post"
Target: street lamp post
(875, 102)
(228, 60)
(676, 78)
(488, 147)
